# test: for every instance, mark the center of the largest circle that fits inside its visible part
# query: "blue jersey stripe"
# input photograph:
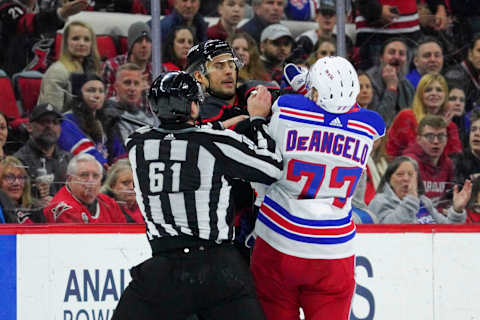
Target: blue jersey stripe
(8, 277)
(296, 237)
(314, 223)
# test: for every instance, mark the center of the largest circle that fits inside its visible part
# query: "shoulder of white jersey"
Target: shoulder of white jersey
(300, 109)
(366, 121)
(296, 102)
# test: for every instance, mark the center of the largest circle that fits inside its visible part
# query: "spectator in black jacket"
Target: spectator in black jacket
(267, 12)
(45, 162)
(467, 74)
(467, 163)
(185, 12)
(22, 28)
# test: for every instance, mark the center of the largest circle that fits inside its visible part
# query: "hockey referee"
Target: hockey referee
(182, 177)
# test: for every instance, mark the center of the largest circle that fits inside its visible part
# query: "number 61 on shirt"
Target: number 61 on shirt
(315, 174)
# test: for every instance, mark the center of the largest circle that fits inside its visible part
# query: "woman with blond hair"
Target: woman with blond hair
(15, 184)
(119, 186)
(430, 98)
(79, 55)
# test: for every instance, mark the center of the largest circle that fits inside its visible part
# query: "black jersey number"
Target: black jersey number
(157, 173)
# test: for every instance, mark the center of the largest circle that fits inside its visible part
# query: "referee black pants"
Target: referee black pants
(188, 277)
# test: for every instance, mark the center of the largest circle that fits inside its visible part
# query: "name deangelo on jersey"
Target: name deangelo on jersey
(327, 141)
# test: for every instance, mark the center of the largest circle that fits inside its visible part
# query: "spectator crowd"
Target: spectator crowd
(418, 61)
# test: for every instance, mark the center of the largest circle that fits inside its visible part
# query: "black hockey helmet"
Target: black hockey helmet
(206, 51)
(171, 94)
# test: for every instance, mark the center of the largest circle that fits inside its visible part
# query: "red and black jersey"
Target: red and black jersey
(216, 109)
(21, 30)
(65, 208)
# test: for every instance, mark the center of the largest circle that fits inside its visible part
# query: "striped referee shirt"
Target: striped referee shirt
(182, 178)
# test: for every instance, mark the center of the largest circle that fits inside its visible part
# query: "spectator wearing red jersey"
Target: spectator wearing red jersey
(430, 98)
(23, 27)
(119, 186)
(436, 168)
(79, 201)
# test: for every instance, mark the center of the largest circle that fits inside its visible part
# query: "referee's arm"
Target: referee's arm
(241, 158)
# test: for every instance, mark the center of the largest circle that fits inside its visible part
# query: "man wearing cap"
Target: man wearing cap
(266, 12)
(139, 52)
(276, 46)
(45, 162)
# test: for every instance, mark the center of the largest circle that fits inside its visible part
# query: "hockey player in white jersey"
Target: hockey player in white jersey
(303, 255)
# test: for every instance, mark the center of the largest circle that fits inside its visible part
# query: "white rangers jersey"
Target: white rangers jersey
(307, 213)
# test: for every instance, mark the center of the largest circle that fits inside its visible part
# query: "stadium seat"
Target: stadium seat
(123, 45)
(106, 47)
(7, 96)
(27, 89)
(58, 45)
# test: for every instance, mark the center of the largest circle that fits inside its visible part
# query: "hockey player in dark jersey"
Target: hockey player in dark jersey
(22, 26)
(215, 65)
(182, 177)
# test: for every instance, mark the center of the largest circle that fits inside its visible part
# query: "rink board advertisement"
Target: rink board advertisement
(79, 272)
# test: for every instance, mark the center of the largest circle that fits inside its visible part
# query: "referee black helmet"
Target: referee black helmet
(171, 95)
